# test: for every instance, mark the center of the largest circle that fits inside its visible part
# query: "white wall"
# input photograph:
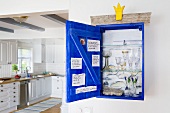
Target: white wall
(157, 55)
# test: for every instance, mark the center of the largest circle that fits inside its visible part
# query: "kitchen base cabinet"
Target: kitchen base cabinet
(57, 86)
(9, 96)
(39, 88)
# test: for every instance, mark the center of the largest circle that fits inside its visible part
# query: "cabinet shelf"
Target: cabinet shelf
(116, 71)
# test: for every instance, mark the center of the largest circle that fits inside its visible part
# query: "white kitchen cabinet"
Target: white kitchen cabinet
(38, 87)
(39, 53)
(46, 86)
(13, 53)
(32, 90)
(50, 53)
(57, 86)
(9, 95)
(3, 52)
(55, 54)
(8, 52)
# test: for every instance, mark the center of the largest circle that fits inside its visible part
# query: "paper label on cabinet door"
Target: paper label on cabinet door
(95, 60)
(78, 79)
(93, 45)
(86, 89)
(76, 63)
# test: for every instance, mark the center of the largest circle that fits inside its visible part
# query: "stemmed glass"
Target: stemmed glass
(130, 61)
(118, 61)
(134, 81)
(106, 55)
(137, 61)
(125, 57)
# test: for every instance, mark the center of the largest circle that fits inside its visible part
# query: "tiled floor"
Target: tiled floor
(54, 109)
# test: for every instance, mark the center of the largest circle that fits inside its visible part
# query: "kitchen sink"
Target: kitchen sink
(40, 76)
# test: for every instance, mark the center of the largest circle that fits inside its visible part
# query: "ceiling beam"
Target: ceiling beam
(6, 30)
(22, 24)
(55, 18)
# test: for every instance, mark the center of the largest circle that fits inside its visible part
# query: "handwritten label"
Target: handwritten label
(93, 45)
(86, 89)
(76, 63)
(78, 79)
(95, 60)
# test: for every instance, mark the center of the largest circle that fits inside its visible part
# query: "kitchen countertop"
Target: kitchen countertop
(21, 79)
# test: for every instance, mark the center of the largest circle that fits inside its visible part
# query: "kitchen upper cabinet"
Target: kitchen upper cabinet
(3, 52)
(39, 52)
(13, 53)
(50, 53)
(55, 54)
(8, 52)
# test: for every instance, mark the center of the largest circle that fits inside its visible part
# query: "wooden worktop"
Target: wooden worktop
(21, 79)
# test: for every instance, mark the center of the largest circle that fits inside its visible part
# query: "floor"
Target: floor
(55, 109)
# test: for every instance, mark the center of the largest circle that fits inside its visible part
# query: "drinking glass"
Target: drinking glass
(118, 61)
(137, 62)
(130, 61)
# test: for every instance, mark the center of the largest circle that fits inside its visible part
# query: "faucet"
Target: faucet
(27, 69)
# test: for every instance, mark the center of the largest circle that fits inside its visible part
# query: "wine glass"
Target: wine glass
(134, 81)
(130, 61)
(137, 61)
(118, 61)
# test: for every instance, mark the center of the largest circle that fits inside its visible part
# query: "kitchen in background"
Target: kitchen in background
(52, 60)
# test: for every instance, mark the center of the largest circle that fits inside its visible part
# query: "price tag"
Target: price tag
(95, 60)
(93, 45)
(78, 79)
(76, 63)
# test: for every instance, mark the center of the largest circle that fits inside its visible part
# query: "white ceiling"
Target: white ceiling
(37, 20)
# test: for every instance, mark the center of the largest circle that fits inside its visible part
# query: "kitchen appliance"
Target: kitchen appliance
(90, 63)
(24, 98)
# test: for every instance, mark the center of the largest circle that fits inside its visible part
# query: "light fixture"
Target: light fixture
(20, 19)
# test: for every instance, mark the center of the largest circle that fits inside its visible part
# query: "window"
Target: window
(25, 60)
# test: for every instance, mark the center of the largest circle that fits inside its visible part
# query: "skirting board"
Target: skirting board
(127, 18)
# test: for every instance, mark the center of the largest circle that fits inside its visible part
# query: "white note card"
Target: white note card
(76, 63)
(95, 60)
(78, 79)
(86, 89)
(93, 45)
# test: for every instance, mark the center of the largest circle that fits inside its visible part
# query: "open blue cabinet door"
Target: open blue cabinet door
(82, 61)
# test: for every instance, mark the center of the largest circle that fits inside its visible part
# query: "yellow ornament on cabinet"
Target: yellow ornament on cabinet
(119, 11)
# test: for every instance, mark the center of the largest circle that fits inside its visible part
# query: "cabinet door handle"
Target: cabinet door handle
(14, 92)
(14, 88)
(1, 90)
(57, 87)
(1, 85)
(2, 101)
(14, 101)
(14, 96)
(14, 83)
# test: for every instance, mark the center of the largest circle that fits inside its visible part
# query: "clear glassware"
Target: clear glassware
(137, 62)
(106, 55)
(118, 61)
(130, 61)
(134, 81)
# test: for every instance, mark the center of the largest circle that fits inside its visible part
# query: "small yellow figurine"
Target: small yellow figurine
(119, 11)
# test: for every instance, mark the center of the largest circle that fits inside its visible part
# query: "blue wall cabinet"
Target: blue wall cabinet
(105, 61)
